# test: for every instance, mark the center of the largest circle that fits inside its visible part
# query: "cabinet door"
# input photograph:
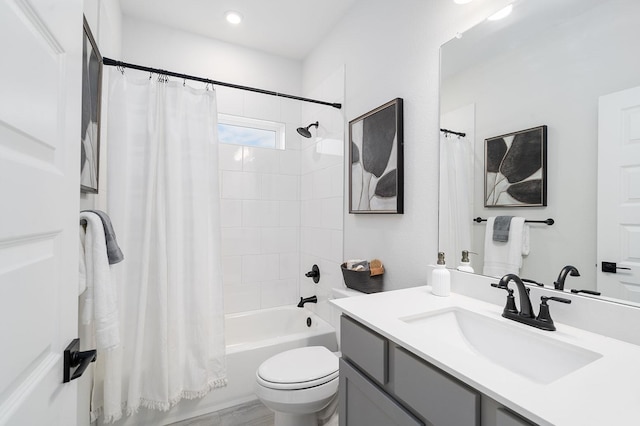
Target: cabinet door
(433, 395)
(364, 348)
(364, 404)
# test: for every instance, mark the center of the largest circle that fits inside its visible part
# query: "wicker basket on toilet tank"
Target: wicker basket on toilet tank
(362, 280)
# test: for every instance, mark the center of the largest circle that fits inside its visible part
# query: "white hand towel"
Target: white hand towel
(100, 302)
(99, 319)
(501, 258)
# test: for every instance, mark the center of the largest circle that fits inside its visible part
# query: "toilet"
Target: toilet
(297, 384)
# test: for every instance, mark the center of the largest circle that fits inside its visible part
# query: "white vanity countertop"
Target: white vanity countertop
(604, 392)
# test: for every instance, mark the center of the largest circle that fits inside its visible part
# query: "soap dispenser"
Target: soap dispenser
(465, 264)
(440, 278)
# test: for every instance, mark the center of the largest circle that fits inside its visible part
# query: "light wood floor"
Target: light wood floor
(249, 414)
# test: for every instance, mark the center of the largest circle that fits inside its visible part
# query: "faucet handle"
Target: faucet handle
(544, 316)
(544, 299)
(526, 280)
(510, 307)
(591, 292)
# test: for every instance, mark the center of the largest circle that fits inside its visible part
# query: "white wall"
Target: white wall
(391, 49)
(156, 46)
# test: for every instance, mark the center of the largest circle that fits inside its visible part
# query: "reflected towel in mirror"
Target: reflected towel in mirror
(501, 227)
(501, 258)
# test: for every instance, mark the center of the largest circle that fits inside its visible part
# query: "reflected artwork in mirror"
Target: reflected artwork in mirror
(554, 63)
(515, 169)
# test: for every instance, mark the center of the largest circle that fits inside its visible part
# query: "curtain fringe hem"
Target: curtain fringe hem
(95, 414)
(159, 405)
(184, 394)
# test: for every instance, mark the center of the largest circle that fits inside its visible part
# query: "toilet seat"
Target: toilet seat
(299, 368)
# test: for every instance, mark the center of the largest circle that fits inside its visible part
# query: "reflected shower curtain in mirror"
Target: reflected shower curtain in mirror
(456, 197)
(163, 199)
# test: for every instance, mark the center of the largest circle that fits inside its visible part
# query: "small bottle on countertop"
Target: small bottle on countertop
(465, 264)
(441, 278)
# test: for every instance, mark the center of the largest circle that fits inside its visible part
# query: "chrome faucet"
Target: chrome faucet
(312, 299)
(525, 315)
(567, 270)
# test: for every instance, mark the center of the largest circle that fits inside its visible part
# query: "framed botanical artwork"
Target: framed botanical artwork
(90, 131)
(515, 172)
(376, 162)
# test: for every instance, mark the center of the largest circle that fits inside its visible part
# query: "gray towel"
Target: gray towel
(114, 254)
(501, 228)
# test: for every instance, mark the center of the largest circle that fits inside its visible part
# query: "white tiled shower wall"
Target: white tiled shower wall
(281, 210)
(321, 193)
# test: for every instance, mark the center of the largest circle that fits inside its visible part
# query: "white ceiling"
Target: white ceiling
(289, 28)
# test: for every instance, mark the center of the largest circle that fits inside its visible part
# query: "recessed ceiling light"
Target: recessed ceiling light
(233, 17)
(462, 1)
(502, 13)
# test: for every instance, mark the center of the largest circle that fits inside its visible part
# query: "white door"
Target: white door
(40, 88)
(619, 194)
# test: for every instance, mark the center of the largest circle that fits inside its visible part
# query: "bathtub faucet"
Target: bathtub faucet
(312, 299)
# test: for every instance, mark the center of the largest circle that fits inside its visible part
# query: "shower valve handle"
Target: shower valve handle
(314, 273)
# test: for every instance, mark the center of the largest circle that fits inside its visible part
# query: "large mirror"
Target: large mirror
(560, 64)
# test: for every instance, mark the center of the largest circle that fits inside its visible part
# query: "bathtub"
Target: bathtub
(251, 338)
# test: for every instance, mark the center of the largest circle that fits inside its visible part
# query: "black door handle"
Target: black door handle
(73, 357)
(612, 267)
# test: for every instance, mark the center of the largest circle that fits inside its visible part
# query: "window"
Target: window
(238, 130)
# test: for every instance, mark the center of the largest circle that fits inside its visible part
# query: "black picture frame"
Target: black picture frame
(376, 165)
(515, 172)
(91, 99)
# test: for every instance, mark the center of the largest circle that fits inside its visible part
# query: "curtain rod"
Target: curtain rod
(112, 62)
(462, 135)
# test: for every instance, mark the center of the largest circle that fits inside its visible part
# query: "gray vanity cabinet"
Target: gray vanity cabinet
(382, 384)
(365, 349)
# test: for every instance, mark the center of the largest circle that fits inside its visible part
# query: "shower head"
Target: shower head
(304, 131)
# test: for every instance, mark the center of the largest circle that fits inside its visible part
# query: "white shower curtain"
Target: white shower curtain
(163, 198)
(456, 196)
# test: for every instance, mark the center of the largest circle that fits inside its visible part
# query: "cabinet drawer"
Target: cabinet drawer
(437, 398)
(362, 403)
(364, 348)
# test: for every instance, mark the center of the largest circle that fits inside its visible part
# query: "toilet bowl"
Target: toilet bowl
(297, 384)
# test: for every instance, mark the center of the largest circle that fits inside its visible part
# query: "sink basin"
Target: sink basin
(526, 353)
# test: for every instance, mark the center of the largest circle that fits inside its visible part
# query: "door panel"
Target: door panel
(619, 193)
(40, 82)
